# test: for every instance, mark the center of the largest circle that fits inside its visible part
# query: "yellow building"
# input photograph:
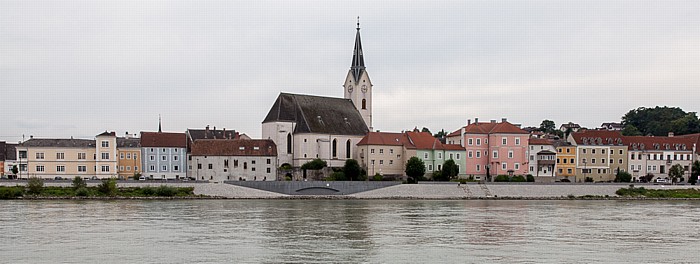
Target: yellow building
(129, 160)
(566, 161)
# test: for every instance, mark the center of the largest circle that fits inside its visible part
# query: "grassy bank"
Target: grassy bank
(108, 188)
(655, 193)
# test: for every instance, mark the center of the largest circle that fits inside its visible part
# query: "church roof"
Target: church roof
(358, 58)
(237, 147)
(318, 114)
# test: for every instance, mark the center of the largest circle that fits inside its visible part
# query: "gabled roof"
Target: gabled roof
(58, 143)
(663, 143)
(384, 139)
(541, 141)
(490, 128)
(696, 141)
(197, 134)
(163, 139)
(317, 114)
(128, 142)
(570, 125)
(10, 151)
(424, 140)
(239, 147)
(597, 137)
(112, 134)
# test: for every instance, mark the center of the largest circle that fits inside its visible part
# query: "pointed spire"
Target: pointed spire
(358, 59)
(159, 125)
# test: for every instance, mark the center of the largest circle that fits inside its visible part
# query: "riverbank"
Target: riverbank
(429, 191)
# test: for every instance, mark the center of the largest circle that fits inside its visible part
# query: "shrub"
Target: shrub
(377, 177)
(502, 178)
(438, 176)
(35, 185)
(337, 176)
(315, 164)
(108, 187)
(11, 192)
(148, 191)
(588, 179)
(82, 191)
(288, 178)
(530, 178)
(352, 169)
(518, 178)
(165, 190)
(78, 183)
(623, 176)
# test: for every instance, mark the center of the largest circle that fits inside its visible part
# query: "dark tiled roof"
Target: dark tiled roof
(163, 139)
(317, 114)
(10, 151)
(108, 134)
(59, 143)
(490, 128)
(128, 142)
(197, 134)
(3, 150)
(240, 147)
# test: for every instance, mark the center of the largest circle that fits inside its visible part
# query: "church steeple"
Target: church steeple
(358, 59)
(159, 125)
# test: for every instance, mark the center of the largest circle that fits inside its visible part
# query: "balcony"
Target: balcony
(545, 162)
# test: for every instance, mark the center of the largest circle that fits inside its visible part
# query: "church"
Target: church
(307, 127)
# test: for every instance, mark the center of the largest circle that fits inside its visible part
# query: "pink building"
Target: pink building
(493, 148)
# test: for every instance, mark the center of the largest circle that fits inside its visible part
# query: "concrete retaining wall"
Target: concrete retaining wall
(315, 187)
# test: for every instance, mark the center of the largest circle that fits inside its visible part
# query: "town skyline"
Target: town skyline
(103, 66)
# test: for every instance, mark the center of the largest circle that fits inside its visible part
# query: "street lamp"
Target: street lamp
(584, 169)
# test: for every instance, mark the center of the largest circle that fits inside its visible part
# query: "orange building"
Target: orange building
(129, 157)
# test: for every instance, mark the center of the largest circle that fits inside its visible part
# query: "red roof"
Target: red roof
(163, 139)
(383, 138)
(490, 128)
(663, 143)
(410, 140)
(541, 141)
(598, 137)
(424, 140)
(238, 147)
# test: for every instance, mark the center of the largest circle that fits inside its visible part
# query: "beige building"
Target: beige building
(220, 160)
(385, 153)
(599, 154)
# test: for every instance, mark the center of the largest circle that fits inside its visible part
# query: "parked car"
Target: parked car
(660, 180)
(142, 178)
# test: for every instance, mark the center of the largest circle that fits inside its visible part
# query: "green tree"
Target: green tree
(694, 172)
(415, 168)
(676, 172)
(530, 178)
(15, 170)
(352, 169)
(315, 164)
(659, 121)
(108, 187)
(518, 178)
(441, 134)
(425, 129)
(547, 126)
(35, 185)
(502, 178)
(630, 130)
(449, 170)
(78, 183)
(623, 176)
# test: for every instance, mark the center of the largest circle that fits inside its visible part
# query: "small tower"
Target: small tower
(358, 86)
(159, 125)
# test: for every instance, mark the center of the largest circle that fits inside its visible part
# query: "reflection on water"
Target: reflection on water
(349, 231)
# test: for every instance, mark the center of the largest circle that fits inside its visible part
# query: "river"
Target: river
(349, 231)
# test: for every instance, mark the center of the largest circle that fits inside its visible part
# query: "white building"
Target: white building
(220, 160)
(542, 156)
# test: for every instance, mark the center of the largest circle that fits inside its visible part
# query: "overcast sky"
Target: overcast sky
(79, 68)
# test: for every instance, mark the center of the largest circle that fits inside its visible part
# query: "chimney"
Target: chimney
(504, 120)
(469, 121)
(476, 120)
(31, 136)
(670, 134)
(223, 134)
(206, 132)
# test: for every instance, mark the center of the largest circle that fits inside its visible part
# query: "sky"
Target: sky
(78, 68)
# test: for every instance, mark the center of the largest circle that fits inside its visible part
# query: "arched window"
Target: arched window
(335, 148)
(364, 103)
(347, 149)
(289, 143)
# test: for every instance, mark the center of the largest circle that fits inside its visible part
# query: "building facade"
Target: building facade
(599, 154)
(566, 161)
(164, 155)
(129, 160)
(220, 160)
(654, 156)
(10, 160)
(542, 157)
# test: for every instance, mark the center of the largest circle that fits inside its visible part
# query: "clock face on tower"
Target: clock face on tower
(350, 89)
(364, 88)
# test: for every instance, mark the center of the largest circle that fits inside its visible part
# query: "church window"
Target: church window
(335, 148)
(347, 149)
(289, 143)
(364, 103)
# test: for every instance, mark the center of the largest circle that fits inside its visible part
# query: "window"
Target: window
(151, 150)
(175, 158)
(430, 167)
(504, 141)
(153, 168)
(164, 150)
(439, 155)
(121, 155)
(558, 160)
(372, 162)
(40, 155)
(504, 166)
(371, 151)
(425, 155)
(568, 150)
(199, 166)
(135, 156)
(40, 168)
(164, 168)
(136, 168)
(364, 104)
(347, 149)
(510, 154)
(517, 141)
(569, 171)
(478, 142)
(105, 144)
(153, 157)
(252, 162)
(268, 161)
(128, 155)
(105, 155)
(458, 156)
(176, 168)
(60, 168)
(639, 167)
(470, 154)
(592, 161)
(612, 161)
(391, 151)
(163, 158)
(105, 168)
(60, 155)
(561, 171)
(478, 154)
(572, 161)
(584, 151)
(478, 167)
(631, 167)
(335, 148)
(381, 151)
(381, 162)
(23, 154)
(632, 156)
(517, 166)
(649, 167)
(593, 151)
(121, 168)
(391, 162)
(245, 165)
(470, 141)
(210, 166)
(289, 143)
(439, 167)
(82, 168)
(620, 152)
(602, 151)
(235, 163)
(495, 154)
(128, 168)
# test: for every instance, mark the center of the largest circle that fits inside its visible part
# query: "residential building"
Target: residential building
(612, 126)
(129, 160)
(571, 127)
(600, 154)
(163, 155)
(654, 156)
(106, 157)
(434, 153)
(10, 160)
(566, 160)
(67, 158)
(220, 160)
(542, 156)
(493, 148)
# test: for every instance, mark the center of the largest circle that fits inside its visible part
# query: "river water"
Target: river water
(349, 231)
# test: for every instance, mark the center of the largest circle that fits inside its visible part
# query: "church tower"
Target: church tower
(358, 86)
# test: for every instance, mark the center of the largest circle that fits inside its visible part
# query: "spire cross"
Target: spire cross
(358, 22)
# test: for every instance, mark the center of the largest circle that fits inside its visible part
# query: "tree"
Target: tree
(623, 176)
(108, 187)
(415, 168)
(315, 164)
(441, 134)
(15, 170)
(659, 121)
(502, 178)
(676, 172)
(694, 172)
(425, 129)
(35, 185)
(547, 126)
(78, 183)
(352, 169)
(449, 170)
(630, 130)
